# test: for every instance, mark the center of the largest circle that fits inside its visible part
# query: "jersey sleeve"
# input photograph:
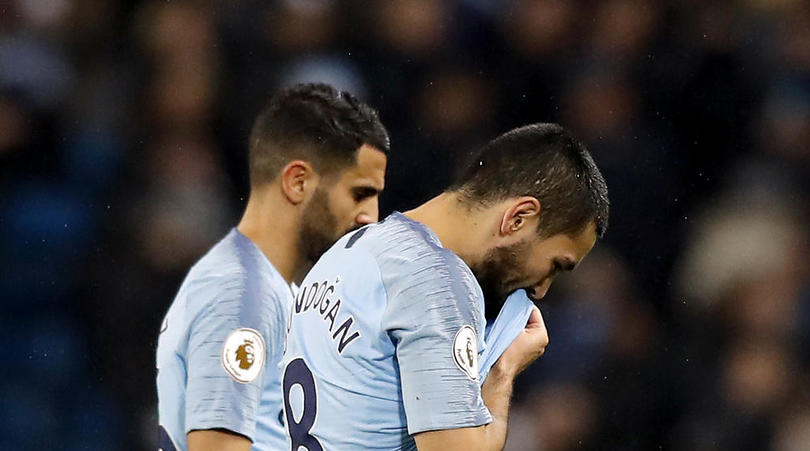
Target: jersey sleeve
(228, 346)
(434, 317)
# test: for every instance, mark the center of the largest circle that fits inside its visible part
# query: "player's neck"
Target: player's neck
(459, 228)
(272, 225)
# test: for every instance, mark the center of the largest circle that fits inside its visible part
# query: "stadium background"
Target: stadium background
(122, 159)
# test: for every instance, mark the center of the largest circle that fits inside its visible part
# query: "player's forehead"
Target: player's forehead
(367, 170)
(583, 242)
(574, 246)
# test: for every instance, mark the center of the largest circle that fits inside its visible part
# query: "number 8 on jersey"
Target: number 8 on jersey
(305, 398)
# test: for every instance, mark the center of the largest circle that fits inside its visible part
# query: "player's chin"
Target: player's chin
(349, 230)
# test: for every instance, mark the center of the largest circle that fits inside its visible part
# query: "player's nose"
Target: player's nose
(365, 218)
(540, 290)
(368, 215)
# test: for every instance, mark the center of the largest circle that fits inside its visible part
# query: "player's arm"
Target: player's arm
(496, 392)
(227, 348)
(217, 440)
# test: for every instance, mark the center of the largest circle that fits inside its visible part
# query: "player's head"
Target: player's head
(326, 150)
(551, 204)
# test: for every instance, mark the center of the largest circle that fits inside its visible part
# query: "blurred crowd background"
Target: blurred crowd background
(123, 137)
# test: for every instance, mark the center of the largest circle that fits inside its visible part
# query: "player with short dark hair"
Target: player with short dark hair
(570, 186)
(563, 179)
(387, 331)
(317, 167)
(312, 122)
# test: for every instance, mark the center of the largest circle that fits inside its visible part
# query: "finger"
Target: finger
(535, 319)
(535, 316)
(537, 325)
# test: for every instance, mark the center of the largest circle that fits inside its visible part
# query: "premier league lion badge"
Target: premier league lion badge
(465, 351)
(243, 355)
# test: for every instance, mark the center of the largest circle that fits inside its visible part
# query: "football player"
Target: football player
(317, 167)
(386, 333)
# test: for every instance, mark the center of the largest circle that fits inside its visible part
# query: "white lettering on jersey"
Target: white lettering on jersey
(318, 298)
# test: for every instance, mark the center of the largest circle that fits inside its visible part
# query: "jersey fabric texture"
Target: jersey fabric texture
(220, 346)
(511, 320)
(384, 340)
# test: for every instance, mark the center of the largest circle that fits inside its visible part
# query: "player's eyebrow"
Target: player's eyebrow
(364, 192)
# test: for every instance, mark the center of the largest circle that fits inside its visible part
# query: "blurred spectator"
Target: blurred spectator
(300, 27)
(558, 418)
(453, 112)
(624, 30)
(793, 431)
(411, 28)
(639, 164)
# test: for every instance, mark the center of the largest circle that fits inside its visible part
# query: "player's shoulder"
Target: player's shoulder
(235, 274)
(396, 235)
(408, 252)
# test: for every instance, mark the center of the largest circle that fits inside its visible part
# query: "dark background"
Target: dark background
(123, 129)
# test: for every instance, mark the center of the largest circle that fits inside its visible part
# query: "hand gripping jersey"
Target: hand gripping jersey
(219, 348)
(511, 320)
(384, 342)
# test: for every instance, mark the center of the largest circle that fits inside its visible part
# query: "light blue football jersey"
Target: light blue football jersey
(511, 320)
(384, 341)
(220, 346)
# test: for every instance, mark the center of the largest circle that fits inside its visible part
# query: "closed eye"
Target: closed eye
(558, 266)
(360, 193)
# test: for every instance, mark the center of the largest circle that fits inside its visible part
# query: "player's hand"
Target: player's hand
(527, 347)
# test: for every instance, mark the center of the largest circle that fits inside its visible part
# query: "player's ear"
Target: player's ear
(522, 214)
(298, 181)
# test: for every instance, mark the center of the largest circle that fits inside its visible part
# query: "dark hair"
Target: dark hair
(543, 161)
(313, 122)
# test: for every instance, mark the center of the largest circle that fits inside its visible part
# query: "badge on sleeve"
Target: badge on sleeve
(243, 355)
(465, 351)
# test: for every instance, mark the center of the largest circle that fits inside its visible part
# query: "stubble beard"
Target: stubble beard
(498, 273)
(318, 230)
